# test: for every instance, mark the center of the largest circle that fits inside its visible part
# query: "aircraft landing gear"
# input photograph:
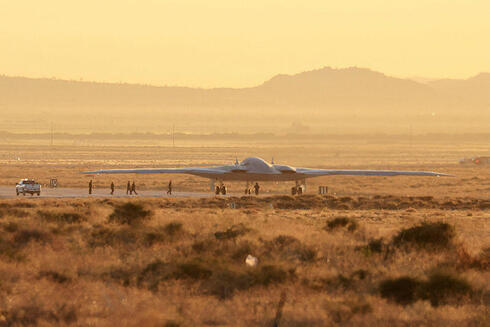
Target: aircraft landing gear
(220, 189)
(248, 191)
(298, 189)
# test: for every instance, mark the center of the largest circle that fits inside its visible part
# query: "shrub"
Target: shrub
(122, 276)
(25, 236)
(100, 237)
(61, 217)
(467, 261)
(291, 248)
(173, 228)
(9, 250)
(130, 213)
(341, 222)
(306, 253)
(19, 204)
(342, 312)
(443, 287)
(376, 245)
(428, 236)
(224, 284)
(54, 276)
(171, 323)
(373, 246)
(11, 227)
(284, 240)
(153, 237)
(13, 212)
(203, 246)
(152, 274)
(269, 274)
(360, 274)
(31, 315)
(240, 252)
(346, 282)
(232, 232)
(440, 288)
(192, 270)
(401, 290)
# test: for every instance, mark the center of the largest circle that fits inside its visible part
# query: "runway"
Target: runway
(8, 192)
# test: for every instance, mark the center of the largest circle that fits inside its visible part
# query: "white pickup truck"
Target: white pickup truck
(28, 186)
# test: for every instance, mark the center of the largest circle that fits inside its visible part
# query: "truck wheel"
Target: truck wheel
(38, 193)
(32, 194)
(17, 193)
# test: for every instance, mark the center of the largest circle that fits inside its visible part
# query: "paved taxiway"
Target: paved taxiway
(7, 192)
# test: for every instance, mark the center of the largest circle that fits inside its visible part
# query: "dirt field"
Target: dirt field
(373, 252)
(65, 162)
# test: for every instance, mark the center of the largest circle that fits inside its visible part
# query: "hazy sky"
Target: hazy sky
(235, 43)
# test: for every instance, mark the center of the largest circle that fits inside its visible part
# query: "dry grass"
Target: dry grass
(180, 262)
(66, 262)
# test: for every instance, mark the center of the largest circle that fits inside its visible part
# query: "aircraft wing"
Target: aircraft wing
(192, 171)
(325, 172)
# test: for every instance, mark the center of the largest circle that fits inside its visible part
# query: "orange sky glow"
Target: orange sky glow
(227, 43)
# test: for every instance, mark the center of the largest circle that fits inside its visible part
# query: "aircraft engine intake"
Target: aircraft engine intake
(285, 169)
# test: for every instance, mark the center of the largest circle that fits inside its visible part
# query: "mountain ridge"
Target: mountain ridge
(485, 75)
(325, 96)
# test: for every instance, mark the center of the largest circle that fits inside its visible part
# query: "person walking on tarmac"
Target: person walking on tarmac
(133, 188)
(128, 189)
(169, 191)
(90, 186)
(256, 188)
(112, 188)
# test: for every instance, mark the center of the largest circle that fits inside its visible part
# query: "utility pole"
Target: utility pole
(173, 135)
(411, 136)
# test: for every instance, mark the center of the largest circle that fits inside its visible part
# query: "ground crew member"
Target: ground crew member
(112, 188)
(256, 188)
(128, 189)
(133, 188)
(169, 191)
(90, 186)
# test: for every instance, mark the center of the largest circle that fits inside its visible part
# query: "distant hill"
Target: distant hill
(350, 87)
(475, 89)
(326, 86)
(323, 94)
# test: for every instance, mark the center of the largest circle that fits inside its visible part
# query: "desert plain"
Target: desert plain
(374, 251)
